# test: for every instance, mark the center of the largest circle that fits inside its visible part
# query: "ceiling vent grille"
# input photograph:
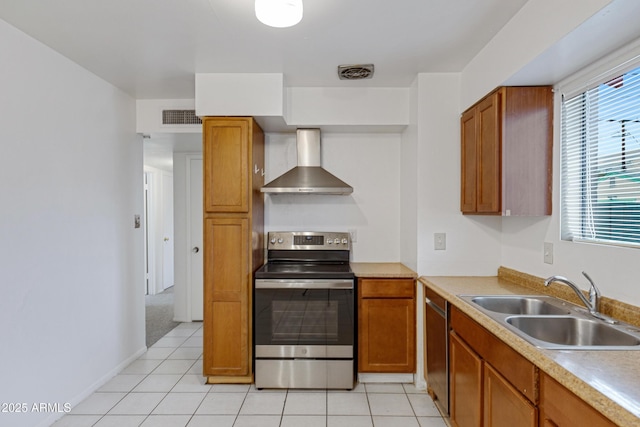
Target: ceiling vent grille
(355, 72)
(180, 117)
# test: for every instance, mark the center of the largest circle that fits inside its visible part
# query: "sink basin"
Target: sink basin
(519, 304)
(572, 331)
(551, 323)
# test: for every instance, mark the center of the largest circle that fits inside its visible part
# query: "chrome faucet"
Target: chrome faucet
(592, 304)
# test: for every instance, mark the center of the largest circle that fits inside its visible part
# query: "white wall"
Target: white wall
(533, 30)
(409, 184)
(613, 269)
(71, 265)
(472, 242)
(370, 163)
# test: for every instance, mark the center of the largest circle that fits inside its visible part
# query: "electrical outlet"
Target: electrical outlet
(439, 241)
(353, 234)
(548, 253)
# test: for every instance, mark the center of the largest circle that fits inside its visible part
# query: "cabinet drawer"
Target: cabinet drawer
(386, 288)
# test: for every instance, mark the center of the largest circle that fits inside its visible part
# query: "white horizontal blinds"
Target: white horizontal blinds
(601, 162)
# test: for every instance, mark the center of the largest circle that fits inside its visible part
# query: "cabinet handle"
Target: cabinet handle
(262, 171)
(256, 169)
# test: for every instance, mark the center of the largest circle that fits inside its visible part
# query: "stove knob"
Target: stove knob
(330, 241)
(273, 240)
(345, 241)
(280, 240)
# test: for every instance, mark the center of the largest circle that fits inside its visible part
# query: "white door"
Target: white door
(195, 230)
(167, 231)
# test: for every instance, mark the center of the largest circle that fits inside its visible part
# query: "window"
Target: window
(601, 163)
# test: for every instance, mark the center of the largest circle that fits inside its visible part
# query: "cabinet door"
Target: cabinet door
(226, 164)
(468, 162)
(488, 128)
(386, 335)
(503, 404)
(465, 401)
(226, 297)
(560, 407)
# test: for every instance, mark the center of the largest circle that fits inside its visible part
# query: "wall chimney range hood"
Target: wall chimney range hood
(308, 177)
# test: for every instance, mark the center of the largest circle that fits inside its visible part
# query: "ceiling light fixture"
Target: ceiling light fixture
(279, 13)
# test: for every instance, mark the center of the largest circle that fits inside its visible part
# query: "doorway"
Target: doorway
(178, 156)
(159, 256)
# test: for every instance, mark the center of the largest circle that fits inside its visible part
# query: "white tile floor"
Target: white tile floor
(165, 388)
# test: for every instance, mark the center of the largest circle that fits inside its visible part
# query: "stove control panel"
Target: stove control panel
(308, 240)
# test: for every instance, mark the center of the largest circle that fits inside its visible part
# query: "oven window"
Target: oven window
(304, 317)
(304, 320)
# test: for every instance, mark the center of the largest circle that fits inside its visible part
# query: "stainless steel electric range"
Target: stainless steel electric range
(304, 312)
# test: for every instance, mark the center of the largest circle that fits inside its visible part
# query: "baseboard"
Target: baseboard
(420, 383)
(95, 386)
(385, 378)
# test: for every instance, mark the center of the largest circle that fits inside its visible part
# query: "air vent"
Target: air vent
(355, 72)
(180, 117)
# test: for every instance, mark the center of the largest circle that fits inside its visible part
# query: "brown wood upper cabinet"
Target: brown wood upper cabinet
(386, 325)
(506, 153)
(229, 163)
(233, 156)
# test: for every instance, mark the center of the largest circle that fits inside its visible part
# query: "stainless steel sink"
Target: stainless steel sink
(551, 323)
(573, 331)
(520, 304)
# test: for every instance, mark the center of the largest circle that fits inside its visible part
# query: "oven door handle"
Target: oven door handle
(304, 284)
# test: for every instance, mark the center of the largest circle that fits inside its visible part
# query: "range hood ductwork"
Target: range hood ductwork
(308, 177)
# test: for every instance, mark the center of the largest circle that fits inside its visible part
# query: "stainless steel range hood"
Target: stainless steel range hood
(308, 177)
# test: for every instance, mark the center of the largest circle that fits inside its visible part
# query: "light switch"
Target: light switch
(136, 221)
(439, 241)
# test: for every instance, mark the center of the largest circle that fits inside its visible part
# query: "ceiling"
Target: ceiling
(151, 49)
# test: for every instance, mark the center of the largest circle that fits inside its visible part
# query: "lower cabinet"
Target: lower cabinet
(559, 407)
(227, 300)
(503, 404)
(386, 326)
(465, 402)
(491, 384)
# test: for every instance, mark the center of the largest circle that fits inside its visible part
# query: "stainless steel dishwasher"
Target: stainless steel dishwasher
(437, 343)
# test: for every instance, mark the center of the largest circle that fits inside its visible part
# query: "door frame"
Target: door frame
(190, 242)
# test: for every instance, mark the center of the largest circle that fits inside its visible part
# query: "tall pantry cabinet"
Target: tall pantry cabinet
(233, 154)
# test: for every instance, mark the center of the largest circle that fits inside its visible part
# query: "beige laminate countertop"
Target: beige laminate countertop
(392, 270)
(607, 380)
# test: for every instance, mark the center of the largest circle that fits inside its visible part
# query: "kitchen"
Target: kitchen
(474, 245)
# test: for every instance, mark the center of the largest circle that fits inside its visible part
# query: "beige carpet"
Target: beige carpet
(159, 315)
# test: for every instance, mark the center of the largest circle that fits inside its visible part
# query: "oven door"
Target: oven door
(296, 318)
